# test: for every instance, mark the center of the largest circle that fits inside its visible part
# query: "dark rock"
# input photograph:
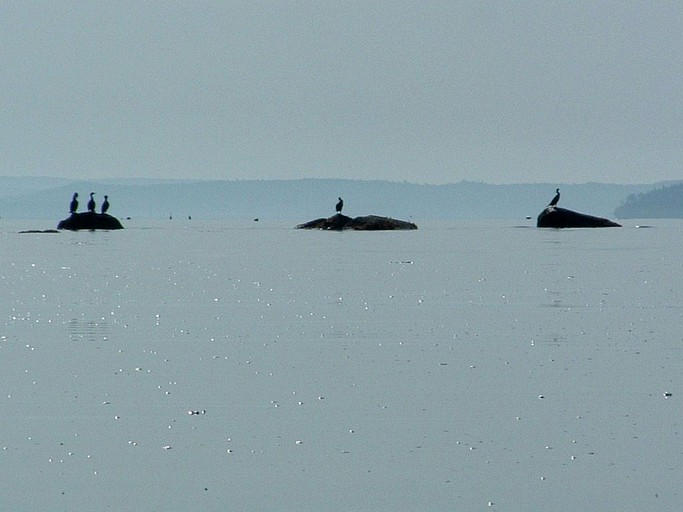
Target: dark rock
(90, 220)
(39, 231)
(340, 222)
(553, 217)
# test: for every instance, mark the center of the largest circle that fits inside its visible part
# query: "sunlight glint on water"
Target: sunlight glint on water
(199, 366)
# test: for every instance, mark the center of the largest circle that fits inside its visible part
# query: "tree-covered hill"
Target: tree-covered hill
(661, 203)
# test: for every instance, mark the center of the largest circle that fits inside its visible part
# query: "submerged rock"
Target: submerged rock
(89, 220)
(340, 222)
(553, 217)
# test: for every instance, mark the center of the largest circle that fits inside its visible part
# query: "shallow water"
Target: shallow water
(193, 365)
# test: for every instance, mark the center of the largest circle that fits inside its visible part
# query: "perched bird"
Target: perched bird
(340, 205)
(556, 198)
(74, 203)
(105, 204)
(91, 203)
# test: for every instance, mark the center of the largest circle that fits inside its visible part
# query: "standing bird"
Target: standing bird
(556, 198)
(91, 203)
(340, 205)
(105, 204)
(74, 203)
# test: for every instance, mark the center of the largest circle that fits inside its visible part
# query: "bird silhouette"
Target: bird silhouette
(91, 203)
(105, 204)
(340, 205)
(74, 203)
(556, 198)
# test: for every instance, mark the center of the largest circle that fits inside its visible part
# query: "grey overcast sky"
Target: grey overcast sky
(427, 91)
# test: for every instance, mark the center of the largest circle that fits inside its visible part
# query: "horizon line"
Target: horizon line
(368, 180)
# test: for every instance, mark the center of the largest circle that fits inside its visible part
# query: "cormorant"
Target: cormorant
(91, 203)
(105, 204)
(556, 198)
(74, 203)
(340, 205)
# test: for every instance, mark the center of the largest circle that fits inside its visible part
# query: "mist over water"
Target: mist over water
(185, 365)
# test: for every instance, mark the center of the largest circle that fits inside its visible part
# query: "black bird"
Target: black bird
(74, 203)
(340, 205)
(91, 203)
(556, 198)
(105, 204)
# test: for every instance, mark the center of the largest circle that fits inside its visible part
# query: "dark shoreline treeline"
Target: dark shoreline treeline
(662, 203)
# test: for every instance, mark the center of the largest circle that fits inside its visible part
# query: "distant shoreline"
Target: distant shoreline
(32, 198)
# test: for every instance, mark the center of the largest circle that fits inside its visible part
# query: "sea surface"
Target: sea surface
(241, 365)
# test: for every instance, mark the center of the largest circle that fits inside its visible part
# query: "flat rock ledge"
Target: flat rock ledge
(553, 217)
(341, 222)
(90, 220)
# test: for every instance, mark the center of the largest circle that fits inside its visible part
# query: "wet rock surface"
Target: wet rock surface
(341, 222)
(553, 217)
(90, 220)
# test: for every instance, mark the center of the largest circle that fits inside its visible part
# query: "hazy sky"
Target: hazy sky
(424, 91)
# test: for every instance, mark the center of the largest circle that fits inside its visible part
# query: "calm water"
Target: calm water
(251, 366)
